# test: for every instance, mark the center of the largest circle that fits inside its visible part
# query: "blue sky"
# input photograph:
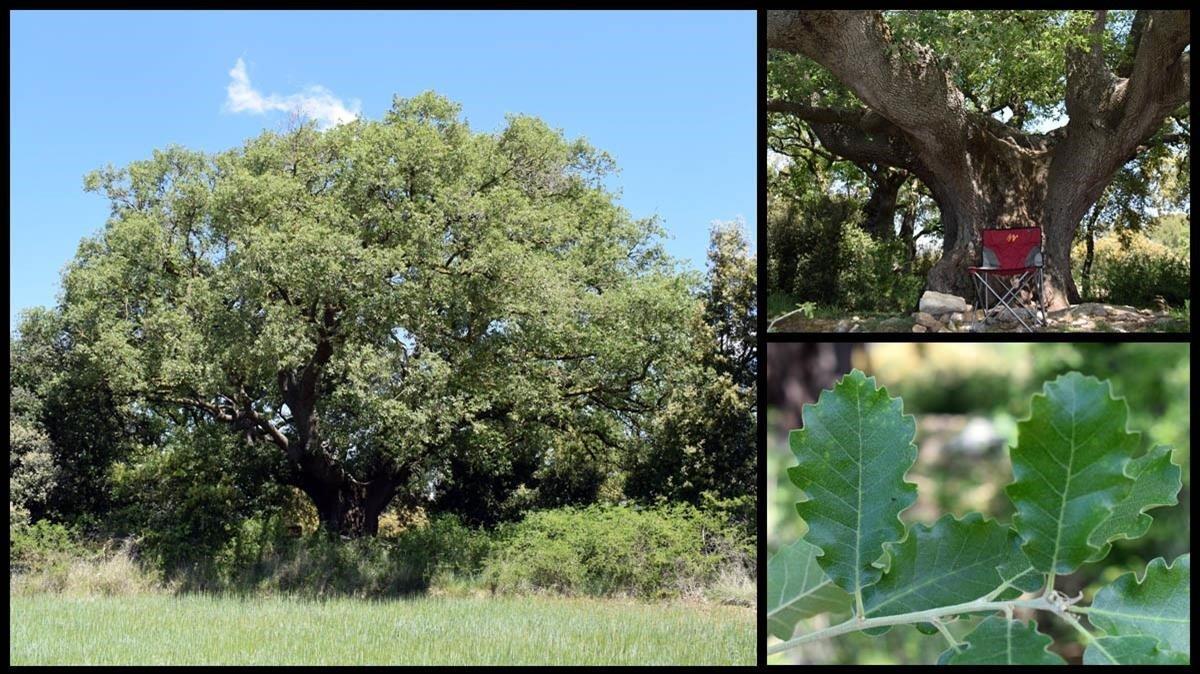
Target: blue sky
(671, 95)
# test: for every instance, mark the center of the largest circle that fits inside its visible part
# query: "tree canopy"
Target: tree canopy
(381, 298)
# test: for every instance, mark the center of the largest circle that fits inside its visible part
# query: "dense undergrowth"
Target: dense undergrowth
(648, 553)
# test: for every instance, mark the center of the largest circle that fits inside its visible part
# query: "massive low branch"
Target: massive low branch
(866, 120)
(857, 47)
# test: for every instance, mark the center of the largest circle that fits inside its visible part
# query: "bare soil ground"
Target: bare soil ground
(1086, 317)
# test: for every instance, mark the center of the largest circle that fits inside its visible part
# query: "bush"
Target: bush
(1136, 271)
(262, 558)
(817, 253)
(47, 557)
(802, 246)
(875, 275)
(185, 500)
(41, 545)
(616, 550)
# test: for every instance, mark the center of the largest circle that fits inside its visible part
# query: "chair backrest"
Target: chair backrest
(1012, 248)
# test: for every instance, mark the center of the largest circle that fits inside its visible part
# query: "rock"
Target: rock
(1089, 309)
(856, 328)
(1122, 312)
(894, 324)
(919, 328)
(842, 326)
(941, 303)
(928, 321)
(957, 316)
(951, 327)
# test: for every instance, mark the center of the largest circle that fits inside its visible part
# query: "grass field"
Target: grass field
(46, 630)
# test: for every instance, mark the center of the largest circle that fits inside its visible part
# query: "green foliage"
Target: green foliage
(997, 641)
(701, 442)
(1156, 482)
(1156, 605)
(615, 550)
(66, 427)
(41, 545)
(799, 589)
(952, 562)
(186, 498)
(855, 441)
(1131, 651)
(943, 389)
(817, 253)
(1074, 467)
(978, 49)
(1139, 279)
(1069, 469)
(875, 274)
(263, 559)
(803, 245)
(449, 289)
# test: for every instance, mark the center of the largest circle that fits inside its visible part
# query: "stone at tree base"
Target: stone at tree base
(936, 303)
(919, 328)
(928, 321)
(894, 324)
(957, 316)
(1089, 309)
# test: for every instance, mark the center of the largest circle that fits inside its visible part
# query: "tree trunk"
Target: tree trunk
(908, 223)
(1090, 255)
(1002, 186)
(880, 210)
(350, 509)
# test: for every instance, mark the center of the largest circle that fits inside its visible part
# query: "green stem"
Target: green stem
(856, 624)
(1088, 638)
(941, 626)
(1007, 584)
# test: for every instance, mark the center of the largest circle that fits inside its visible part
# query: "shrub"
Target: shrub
(875, 275)
(1136, 271)
(41, 545)
(47, 557)
(616, 550)
(263, 558)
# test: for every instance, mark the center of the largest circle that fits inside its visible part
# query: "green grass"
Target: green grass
(199, 629)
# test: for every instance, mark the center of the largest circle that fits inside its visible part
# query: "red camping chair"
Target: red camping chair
(1014, 257)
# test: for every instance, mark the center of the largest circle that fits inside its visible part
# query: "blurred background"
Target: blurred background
(967, 399)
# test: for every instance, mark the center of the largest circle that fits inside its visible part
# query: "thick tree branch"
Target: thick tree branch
(857, 145)
(1160, 69)
(857, 47)
(866, 120)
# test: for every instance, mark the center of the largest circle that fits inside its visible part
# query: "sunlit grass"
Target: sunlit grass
(195, 629)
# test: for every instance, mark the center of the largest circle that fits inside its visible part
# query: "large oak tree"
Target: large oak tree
(375, 299)
(893, 100)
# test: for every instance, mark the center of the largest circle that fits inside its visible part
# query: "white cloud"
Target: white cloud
(315, 102)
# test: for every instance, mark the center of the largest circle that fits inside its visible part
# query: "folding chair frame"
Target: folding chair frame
(984, 289)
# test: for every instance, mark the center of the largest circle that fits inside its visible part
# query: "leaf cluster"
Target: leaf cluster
(1078, 485)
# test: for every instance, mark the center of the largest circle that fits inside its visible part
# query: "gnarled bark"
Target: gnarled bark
(981, 172)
